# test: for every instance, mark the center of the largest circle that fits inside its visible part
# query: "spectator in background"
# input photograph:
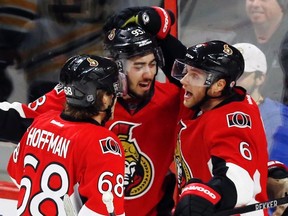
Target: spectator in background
(279, 149)
(265, 29)
(252, 80)
(13, 17)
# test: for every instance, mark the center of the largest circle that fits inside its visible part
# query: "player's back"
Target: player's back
(58, 155)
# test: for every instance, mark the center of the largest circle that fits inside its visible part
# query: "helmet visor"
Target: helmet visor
(193, 76)
(120, 87)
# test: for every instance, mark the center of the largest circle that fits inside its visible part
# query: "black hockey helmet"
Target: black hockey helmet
(83, 75)
(217, 58)
(130, 41)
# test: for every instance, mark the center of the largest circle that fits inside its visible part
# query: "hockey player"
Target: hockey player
(70, 152)
(223, 163)
(145, 121)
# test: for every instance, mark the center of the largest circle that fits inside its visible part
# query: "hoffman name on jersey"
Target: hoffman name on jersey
(45, 139)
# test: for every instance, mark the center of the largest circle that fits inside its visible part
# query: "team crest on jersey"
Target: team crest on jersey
(139, 170)
(109, 145)
(238, 119)
(183, 171)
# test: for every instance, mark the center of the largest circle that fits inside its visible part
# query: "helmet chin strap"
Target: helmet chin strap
(204, 99)
(108, 112)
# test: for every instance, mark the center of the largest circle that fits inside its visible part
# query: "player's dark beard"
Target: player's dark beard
(204, 99)
(147, 94)
(200, 103)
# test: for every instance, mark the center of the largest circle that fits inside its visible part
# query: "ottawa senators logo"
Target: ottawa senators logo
(92, 62)
(184, 173)
(109, 145)
(238, 119)
(139, 170)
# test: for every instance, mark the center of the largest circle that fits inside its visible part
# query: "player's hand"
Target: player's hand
(155, 20)
(277, 184)
(197, 199)
(119, 20)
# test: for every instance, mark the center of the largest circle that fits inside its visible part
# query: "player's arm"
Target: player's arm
(13, 122)
(205, 198)
(16, 163)
(172, 49)
(236, 180)
(99, 176)
(15, 117)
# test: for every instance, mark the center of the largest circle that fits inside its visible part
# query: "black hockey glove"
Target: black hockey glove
(155, 20)
(118, 20)
(277, 184)
(197, 199)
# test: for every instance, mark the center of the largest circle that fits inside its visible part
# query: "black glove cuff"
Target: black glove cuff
(277, 170)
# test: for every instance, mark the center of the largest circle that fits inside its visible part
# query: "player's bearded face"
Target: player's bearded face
(141, 72)
(193, 84)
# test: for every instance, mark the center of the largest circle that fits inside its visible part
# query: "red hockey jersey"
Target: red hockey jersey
(233, 133)
(57, 157)
(148, 138)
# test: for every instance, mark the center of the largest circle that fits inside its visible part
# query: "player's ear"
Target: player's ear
(218, 87)
(106, 101)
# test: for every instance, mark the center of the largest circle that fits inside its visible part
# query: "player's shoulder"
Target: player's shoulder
(166, 89)
(98, 138)
(94, 131)
(50, 114)
(247, 105)
(233, 113)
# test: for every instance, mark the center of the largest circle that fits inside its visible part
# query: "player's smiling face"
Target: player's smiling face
(141, 71)
(263, 11)
(193, 83)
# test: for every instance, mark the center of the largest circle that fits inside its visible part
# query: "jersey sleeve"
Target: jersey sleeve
(239, 158)
(53, 100)
(15, 117)
(16, 164)
(172, 49)
(104, 172)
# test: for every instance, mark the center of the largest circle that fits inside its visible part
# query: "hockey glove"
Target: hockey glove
(277, 184)
(118, 20)
(197, 199)
(155, 20)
